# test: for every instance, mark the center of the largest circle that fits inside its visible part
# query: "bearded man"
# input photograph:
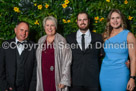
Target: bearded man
(85, 56)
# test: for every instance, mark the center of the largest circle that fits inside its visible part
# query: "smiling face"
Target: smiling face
(115, 20)
(50, 28)
(22, 31)
(83, 22)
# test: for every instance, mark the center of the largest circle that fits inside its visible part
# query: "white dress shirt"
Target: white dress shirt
(87, 38)
(20, 47)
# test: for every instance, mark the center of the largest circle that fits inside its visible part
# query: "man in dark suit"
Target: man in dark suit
(85, 56)
(18, 62)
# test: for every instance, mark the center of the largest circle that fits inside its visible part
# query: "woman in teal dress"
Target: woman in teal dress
(119, 44)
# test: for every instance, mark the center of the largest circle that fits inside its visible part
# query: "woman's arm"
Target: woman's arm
(132, 54)
(67, 58)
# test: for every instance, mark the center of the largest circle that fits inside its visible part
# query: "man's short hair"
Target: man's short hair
(83, 12)
(23, 22)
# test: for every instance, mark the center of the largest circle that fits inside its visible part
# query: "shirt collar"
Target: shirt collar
(87, 33)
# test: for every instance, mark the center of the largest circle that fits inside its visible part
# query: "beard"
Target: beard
(83, 28)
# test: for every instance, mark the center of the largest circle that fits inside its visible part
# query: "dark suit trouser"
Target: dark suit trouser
(82, 88)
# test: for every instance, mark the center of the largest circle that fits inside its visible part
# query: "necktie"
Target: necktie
(83, 42)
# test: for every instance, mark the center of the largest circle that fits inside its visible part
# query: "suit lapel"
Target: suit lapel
(25, 52)
(12, 53)
(93, 38)
(91, 43)
(75, 42)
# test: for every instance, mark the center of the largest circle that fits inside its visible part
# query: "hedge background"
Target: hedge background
(33, 11)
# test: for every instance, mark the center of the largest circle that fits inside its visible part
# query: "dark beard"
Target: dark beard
(84, 29)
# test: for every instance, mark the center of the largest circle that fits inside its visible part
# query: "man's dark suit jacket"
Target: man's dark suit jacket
(8, 67)
(86, 64)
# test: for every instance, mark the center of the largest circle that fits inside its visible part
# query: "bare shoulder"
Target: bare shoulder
(131, 37)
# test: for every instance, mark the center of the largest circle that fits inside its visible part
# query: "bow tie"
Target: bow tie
(18, 43)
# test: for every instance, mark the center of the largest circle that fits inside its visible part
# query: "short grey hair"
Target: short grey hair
(50, 18)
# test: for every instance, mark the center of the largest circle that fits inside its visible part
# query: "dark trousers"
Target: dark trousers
(82, 88)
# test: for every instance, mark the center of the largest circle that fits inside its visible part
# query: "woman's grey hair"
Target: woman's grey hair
(50, 18)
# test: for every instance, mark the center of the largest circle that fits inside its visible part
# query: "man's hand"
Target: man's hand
(10, 89)
(128, 63)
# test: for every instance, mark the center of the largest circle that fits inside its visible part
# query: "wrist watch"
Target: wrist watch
(133, 77)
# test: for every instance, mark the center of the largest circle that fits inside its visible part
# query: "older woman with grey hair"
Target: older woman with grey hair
(53, 59)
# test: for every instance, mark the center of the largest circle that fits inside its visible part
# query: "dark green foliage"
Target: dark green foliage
(30, 13)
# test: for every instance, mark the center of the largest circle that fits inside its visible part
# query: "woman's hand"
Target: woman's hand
(131, 84)
(61, 86)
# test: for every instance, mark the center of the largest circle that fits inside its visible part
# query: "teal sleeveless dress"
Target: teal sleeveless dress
(114, 74)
